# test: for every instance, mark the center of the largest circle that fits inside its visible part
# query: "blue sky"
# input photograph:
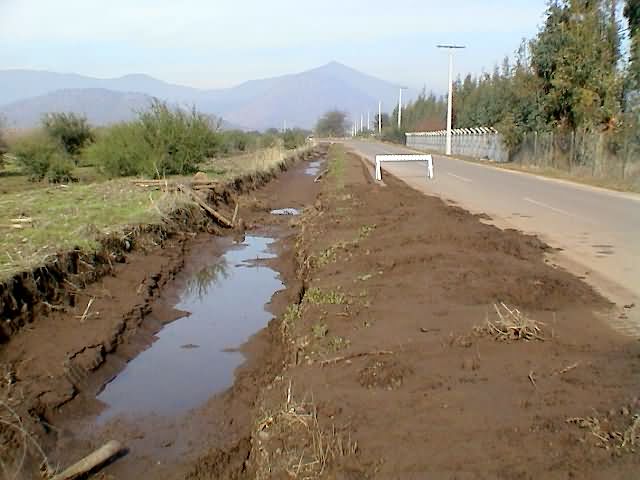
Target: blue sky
(219, 43)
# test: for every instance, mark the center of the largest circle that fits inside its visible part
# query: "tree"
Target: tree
(386, 121)
(632, 13)
(71, 130)
(332, 124)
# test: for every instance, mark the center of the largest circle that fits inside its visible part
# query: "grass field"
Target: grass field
(39, 219)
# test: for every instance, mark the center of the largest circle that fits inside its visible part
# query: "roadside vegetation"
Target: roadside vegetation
(569, 99)
(65, 186)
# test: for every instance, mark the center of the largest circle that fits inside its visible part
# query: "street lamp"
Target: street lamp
(451, 48)
(400, 108)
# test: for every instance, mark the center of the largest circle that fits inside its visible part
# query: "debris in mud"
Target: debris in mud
(511, 324)
(385, 374)
(607, 437)
(189, 346)
(285, 211)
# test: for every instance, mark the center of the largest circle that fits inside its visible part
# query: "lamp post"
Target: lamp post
(451, 48)
(400, 108)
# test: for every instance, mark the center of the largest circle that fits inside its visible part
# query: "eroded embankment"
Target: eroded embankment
(70, 326)
(429, 344)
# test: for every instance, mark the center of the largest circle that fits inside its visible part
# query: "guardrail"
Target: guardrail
(481, 142)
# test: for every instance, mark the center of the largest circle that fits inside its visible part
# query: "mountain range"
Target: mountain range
(297, 99)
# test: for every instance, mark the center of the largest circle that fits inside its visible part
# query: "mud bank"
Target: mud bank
(73, 325)
(395, 367)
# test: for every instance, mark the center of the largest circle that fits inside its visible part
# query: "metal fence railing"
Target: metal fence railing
(483, 143)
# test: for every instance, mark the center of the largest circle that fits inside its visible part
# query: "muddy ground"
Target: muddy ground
(379, 363)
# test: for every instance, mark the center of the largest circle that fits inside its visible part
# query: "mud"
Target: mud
(392, 375)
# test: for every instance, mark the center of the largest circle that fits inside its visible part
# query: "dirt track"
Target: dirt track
(376, 365)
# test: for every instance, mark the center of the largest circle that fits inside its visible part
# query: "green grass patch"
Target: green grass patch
(67, 217)
(337, 159)
(315, 296)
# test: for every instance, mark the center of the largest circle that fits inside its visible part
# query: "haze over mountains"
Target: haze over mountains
(297, 99)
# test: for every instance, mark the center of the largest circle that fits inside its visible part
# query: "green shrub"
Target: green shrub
(180, 140)
(121, 151)
(38, 153)
(163, 141)
(61, 169)
(71, 130)
(293, 139)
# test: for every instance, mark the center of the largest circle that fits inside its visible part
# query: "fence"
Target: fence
(481, 142)
(599, 155)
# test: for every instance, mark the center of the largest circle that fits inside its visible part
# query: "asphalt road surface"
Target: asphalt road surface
(597, 230)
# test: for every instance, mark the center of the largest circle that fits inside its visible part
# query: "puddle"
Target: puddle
(193, 358)
(313, 168)
(285, 211)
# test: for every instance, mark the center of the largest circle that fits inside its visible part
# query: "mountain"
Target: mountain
(100, 106)
(297, 99)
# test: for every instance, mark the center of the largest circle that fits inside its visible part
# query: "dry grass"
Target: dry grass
(607, 437)
(511, 324)
(14, 432)
(65, 217)
(305, 449)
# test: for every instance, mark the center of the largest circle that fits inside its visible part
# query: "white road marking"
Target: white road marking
(464, 179)
(544, 205)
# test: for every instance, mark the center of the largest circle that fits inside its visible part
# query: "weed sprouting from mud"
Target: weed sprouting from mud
(511, 324)
(315, 296)
(366, 230)
(337, 165)
(291, 316)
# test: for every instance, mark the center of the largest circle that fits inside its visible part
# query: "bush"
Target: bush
(42, 156)
(72, 131)
(161, 142)
(294, 139)
(122, 151)
(394, 135)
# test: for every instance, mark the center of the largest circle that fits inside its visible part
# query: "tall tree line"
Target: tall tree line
(572, 76)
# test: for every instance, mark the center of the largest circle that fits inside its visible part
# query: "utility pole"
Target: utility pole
(368, 120)
(451, 48)
(400, 108)
(361, 122)
(380, 118)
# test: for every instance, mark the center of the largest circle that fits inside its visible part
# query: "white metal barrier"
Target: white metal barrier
(404, 158)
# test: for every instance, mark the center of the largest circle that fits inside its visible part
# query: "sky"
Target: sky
(221, 43)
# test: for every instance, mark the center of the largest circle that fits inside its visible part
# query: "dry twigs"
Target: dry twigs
(332, 361)
(512, 324)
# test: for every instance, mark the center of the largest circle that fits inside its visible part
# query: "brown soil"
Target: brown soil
(54, 362)
(391, 372)
(378, 364)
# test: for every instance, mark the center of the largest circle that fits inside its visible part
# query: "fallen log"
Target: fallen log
(322, 174)
(217, 216)
(235, 214)
(88, 463)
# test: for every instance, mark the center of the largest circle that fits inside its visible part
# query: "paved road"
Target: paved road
(598, 230)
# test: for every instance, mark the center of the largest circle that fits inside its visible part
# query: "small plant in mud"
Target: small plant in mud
(511, 324)
(315, 296)
(366, 230)
(338, 343)
(291, 316)
(320, 330)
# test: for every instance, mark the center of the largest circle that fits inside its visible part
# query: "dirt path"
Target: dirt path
(392, 370)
